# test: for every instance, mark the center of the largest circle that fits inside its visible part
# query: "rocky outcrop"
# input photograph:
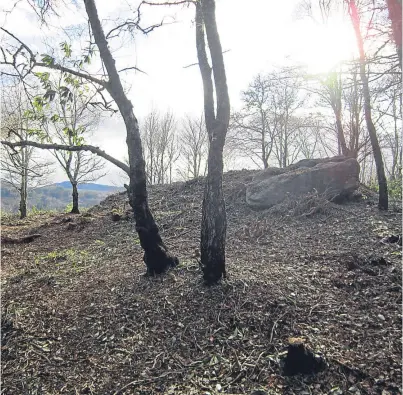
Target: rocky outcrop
(333, 177)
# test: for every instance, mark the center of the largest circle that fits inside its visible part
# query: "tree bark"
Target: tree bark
(340, 134)
(214, 222)
(23, 203)
(335, 92)
(380, 169)
(75, 209)
(263, 140)
(156, 256)
(24, 186)
(395, 16)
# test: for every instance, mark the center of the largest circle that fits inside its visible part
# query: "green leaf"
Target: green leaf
(54, 118)
(48, 60)
(49, 95)
(66, 48)
(78, 140)
(38, 103)
(67, 131)
(44, 77)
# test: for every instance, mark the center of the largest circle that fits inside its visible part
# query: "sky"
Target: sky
(258, 35)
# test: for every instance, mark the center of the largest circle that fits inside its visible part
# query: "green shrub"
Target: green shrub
(68, 208)
(395, 188)
(36, 211)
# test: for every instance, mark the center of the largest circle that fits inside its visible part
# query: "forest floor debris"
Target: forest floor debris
(79, 317)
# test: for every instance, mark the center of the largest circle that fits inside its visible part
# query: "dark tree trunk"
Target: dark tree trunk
(214, 220)
(265, 157)
(156, 256)
(23, 193)
(75, 209)
(23, 204)
(285, 153)
(395, 16)
(380, 169)
(340, 135)
(214, 223)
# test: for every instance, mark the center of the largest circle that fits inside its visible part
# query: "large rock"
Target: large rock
(332, 177)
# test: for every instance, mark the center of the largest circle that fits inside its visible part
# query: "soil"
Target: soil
(80, 317)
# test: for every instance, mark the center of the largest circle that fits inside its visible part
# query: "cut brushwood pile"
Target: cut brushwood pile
(79, 317)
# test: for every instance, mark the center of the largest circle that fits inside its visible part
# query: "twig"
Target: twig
(135, 382)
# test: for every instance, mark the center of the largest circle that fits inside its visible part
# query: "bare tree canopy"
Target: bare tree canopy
(22, 169)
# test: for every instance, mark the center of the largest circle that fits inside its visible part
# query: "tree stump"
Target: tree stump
(300, 360)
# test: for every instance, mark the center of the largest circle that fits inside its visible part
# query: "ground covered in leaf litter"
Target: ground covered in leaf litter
(79, 317)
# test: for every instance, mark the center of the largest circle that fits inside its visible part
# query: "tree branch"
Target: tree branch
(34, 63)
(94, 150)
(205, 69)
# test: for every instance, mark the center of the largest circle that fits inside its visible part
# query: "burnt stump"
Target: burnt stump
(300, 360)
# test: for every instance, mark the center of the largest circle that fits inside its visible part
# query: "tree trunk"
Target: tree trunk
(380, 170)
(265, 161)
(214, 223)
(23, 203)
(395, 16)
(340, 135)
(263, 141)
(24, 185)
(75, 209)
(156, 256)
(335, 88)
(285, 154)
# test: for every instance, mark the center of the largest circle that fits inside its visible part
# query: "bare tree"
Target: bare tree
(194, 146)
(173, 153)
(331, 93)
(286, 99)
(380, 169)
(165, 152)
(21, 169)
(69, 123)
(268, 120)
(214, 222)
(341, 92)
(310, 137)
(252, 127)
(389, 119)
(158, 134)
(150, 135)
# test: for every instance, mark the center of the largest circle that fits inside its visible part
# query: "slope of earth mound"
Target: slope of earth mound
(79, 317)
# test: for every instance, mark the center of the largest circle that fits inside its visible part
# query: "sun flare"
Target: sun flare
(322, 48)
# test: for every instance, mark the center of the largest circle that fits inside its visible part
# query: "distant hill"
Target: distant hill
(90, 187)
(57, 196)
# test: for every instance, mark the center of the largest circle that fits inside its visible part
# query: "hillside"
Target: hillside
(79, 317)
(90, 187)
(56, 196)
